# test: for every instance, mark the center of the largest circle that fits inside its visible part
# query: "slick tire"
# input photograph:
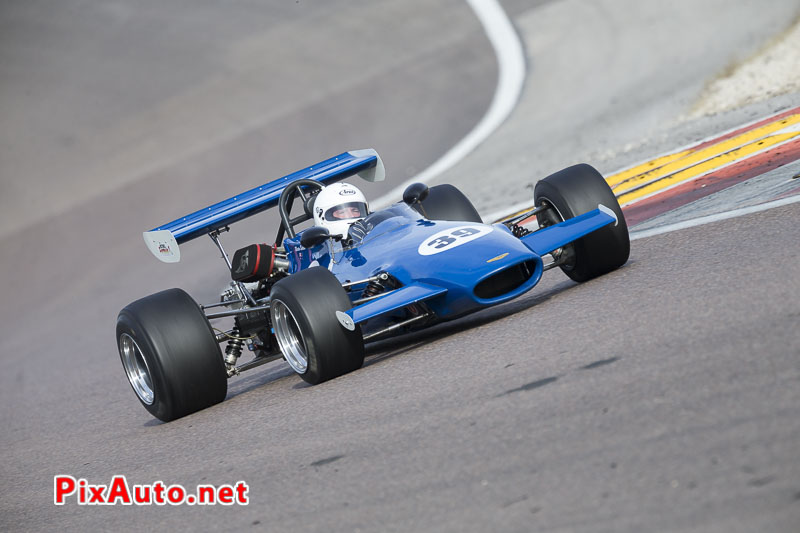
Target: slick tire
(446, 202)
(574, 191)
(303, 309)
(170, 355)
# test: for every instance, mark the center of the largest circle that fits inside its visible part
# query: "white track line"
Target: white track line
(714, 218)
(511, 77)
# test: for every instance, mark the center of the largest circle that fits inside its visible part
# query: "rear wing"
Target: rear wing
(163, 241)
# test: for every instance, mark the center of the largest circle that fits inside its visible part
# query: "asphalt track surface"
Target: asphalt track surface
(663, 396)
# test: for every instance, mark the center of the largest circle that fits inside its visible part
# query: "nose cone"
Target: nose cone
(480, 265)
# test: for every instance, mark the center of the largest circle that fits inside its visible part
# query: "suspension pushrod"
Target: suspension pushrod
(526, 214)
(220, 304)
(393, 327)
(383, 276)
(234, 312)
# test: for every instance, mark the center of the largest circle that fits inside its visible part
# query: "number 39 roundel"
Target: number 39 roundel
(451, 238)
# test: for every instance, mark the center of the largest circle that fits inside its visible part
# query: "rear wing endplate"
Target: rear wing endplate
(163, 241)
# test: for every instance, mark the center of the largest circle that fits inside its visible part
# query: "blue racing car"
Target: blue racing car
(315, 296)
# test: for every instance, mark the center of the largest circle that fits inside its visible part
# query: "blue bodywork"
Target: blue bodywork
(446, 268)
(447, 280)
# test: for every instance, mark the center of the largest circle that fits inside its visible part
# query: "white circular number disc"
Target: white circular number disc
(452, 238)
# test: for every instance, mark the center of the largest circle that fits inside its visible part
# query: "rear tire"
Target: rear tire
(303, 308)
(446, 202)
(574, 191)
(170, 355)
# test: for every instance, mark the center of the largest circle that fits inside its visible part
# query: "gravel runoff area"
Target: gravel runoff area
(774, 70)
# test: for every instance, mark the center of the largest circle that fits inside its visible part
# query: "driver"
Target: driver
(338, 206)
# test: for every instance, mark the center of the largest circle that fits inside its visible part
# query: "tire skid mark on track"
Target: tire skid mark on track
(530, 386)
(602, 362)
(326, 461)
(547, 381)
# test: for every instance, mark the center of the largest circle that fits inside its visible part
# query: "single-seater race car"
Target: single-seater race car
(314, 298)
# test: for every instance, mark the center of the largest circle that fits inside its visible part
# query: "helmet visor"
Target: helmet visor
(346, 211)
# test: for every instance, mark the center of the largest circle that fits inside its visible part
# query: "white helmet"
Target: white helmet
(339, 205)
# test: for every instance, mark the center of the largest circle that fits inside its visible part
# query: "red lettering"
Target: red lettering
(158, 490)
(225, 495)
(141, 494)
(205, 494)
(63, 487)
(241, 493)
(97, 494)
(175, 494)
(119, 491)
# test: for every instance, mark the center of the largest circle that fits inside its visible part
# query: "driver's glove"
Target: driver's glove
(358, 230)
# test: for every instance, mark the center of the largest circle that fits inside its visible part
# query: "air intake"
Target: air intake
(505, 281)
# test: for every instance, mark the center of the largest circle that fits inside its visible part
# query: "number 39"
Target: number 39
(450, 239)
(445, 240)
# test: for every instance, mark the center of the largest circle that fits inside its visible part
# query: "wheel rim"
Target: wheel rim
(547, 215)
(551, 220)
(136, 368)
(290, 339)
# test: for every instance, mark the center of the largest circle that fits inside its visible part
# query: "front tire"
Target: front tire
(446, 202)
(304, 310)
(170, 355)
(574, 191)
